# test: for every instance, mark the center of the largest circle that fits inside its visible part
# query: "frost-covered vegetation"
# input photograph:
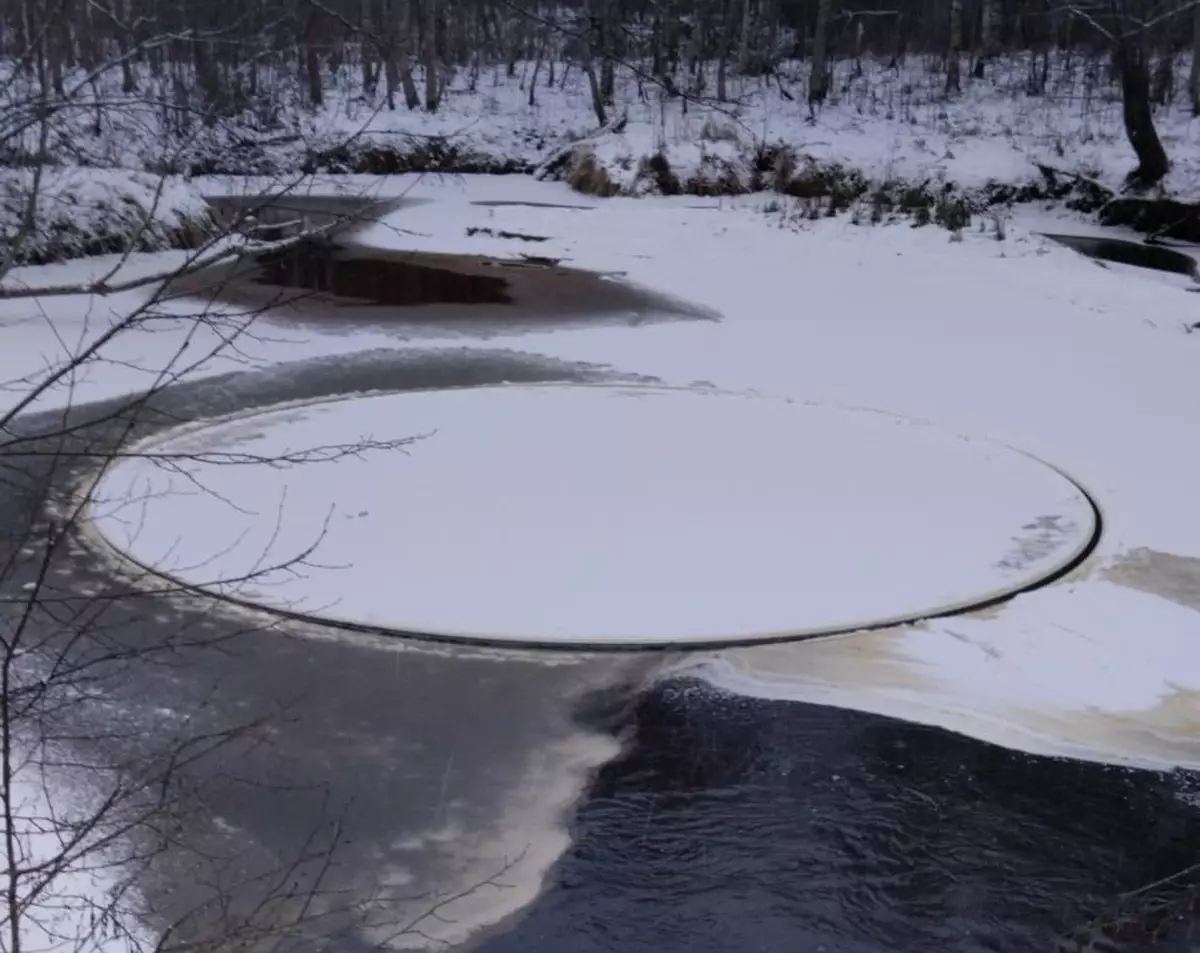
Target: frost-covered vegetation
(77, 211)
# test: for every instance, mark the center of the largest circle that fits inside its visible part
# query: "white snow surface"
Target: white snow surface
(595, 514)
(1016, 341)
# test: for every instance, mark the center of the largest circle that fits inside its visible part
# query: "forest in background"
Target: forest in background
(201, 62)
(906, 105)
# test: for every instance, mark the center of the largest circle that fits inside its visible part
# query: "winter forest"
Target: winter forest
(202, 87)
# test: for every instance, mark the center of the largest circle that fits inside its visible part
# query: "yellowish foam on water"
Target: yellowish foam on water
(1104, 666)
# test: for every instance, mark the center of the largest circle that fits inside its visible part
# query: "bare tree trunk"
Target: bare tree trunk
(537, 65)
(209, 81)
(589, 68)
(28, 33)
(608, 33)
(394, 20)
(818, 77)
(953, 67)
(1194, 76)
(743, 58)
(1138, 114)
(429, 41)
(989, 35)
(898, 44)
(513, 48)
(670, 28)
(370, 74)
(723, 56)
(695, 64)
(312, 63)
(59, 46)
(128, 79)
(412, 99)
(1164, 77)
(402, 16)
(312, 69)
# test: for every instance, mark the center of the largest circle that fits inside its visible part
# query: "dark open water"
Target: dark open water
(741, 826)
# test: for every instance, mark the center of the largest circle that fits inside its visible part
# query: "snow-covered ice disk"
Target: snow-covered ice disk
(595, 515)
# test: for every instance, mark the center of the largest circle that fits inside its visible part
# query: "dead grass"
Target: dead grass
(585, 174)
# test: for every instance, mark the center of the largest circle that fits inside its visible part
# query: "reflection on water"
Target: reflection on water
(378, 281)
(337, 288)
(740, 825)
(1122, 252)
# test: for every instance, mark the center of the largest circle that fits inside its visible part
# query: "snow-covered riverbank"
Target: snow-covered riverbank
(888, 141)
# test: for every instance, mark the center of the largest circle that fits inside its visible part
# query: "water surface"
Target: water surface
(739, 826)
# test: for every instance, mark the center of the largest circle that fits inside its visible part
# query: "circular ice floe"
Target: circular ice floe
(600, 515)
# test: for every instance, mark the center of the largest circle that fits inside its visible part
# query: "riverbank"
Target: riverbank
(888, 143)
(79, 212)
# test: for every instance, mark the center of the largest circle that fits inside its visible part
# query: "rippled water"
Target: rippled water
(743, 825)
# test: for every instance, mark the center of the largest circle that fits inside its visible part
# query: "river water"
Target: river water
(745, 825)
(739, 826)
(720, 824)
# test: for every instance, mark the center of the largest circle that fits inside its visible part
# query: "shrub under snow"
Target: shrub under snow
(83, 211)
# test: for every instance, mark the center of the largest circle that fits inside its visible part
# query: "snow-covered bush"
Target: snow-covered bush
(58, 213)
